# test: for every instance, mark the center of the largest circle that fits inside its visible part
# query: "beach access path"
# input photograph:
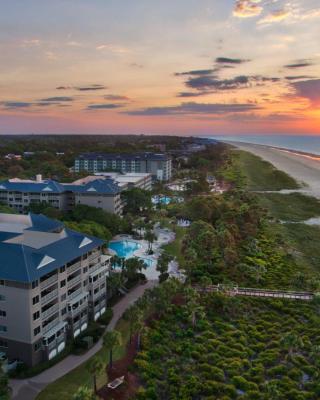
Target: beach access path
(28, 389)
(304, 168)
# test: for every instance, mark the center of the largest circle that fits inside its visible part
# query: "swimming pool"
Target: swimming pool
(124, 248)
(161, 200)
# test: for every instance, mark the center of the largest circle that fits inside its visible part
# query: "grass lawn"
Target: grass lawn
(65, 387)
(175, 248)
(260, 174)
(294, 207)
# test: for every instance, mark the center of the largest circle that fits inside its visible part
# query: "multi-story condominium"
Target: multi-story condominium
(52, 281)
(158, 165)
(101, 193)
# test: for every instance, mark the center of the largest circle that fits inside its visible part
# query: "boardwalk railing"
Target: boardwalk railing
(253, 292)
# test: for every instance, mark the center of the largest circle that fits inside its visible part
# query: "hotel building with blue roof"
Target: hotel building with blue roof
(52, 281)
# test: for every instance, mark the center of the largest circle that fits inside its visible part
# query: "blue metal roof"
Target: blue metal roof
(147, 156)
(101, 186)
(22, 263)
(49, 186)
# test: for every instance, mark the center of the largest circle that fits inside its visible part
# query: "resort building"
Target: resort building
(101, 193)
(52, 282)
(100, 190)
(158, 165)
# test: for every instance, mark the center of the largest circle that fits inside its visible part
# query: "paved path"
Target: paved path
(28, 389)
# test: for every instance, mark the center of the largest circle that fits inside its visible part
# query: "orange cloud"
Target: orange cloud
(247, 8)
(275, 16)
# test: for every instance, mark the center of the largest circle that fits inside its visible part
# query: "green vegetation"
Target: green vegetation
(174, 248)
(237, 349)
(246, 169)
(293, 207)
(65, 387)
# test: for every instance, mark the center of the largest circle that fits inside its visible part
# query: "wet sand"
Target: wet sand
(303, 167)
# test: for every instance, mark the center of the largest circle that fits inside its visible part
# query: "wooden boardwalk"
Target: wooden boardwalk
(252, 292)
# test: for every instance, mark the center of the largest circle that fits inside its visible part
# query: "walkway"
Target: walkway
(28, 389)
(236, 291)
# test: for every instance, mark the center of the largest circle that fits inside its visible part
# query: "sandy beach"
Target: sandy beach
(305, 168)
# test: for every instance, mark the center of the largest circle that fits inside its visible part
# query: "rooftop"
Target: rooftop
(33, 245)
(146, 156)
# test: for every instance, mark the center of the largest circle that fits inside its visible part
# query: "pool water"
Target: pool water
(161, 200)
(124, 248)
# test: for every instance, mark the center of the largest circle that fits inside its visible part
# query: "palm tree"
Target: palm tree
(95, 366)
(131, 316)
(150, 238)
(193, 304)
(272, 389)
(83, 393)
(138, 326)
(111, 340)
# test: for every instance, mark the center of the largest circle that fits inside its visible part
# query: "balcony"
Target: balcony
(74, 281)
(50, 311)
(74, 294)
(52, 295)
(50, 326)
(94, 255)
(50, 281)
(73, 267)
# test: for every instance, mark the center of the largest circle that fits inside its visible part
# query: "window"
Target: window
(36, 315)
(35, 300)
(3, 328)
(63, 311)
(85, 269)
(1, 282)
(63, 297)
(35, 284)
(37, 346)
(62, 269)
(36, 331)
(3, 343)
(2, 297)
(3, 313)
(63, 283)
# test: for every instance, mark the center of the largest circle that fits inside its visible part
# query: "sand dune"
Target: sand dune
(303, 168)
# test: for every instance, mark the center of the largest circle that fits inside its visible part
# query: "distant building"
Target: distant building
(52, 281)
(158, 165)
(11, 156)
(101, 191)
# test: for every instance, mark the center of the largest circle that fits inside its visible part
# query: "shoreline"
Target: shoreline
(303, 167)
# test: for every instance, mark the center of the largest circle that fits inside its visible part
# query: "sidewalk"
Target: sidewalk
(28, 389)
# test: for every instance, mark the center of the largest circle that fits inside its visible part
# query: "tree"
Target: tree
(138, 326)
(4, 388)
(84, 393)
(132, 266)
(163, 263)
(95, 366)
(150, 237)
(193, 304)
(131, 316)
(111, 340)
(136, 200)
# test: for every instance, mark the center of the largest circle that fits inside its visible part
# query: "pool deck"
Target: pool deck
(164, 236)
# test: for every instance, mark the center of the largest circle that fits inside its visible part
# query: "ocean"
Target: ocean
(308, 144)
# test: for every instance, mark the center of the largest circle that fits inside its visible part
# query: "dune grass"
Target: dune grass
(260, 174)
(294, 207)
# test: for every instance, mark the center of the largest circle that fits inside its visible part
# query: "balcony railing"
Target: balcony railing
(50, 311)
(74, 294)
(74, 281)
(50, 281)
(74, 267)
(50, 326)
(49, 296)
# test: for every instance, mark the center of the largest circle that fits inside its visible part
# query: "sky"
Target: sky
(181, 67)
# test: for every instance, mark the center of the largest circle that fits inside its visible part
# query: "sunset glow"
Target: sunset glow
(172, 67)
